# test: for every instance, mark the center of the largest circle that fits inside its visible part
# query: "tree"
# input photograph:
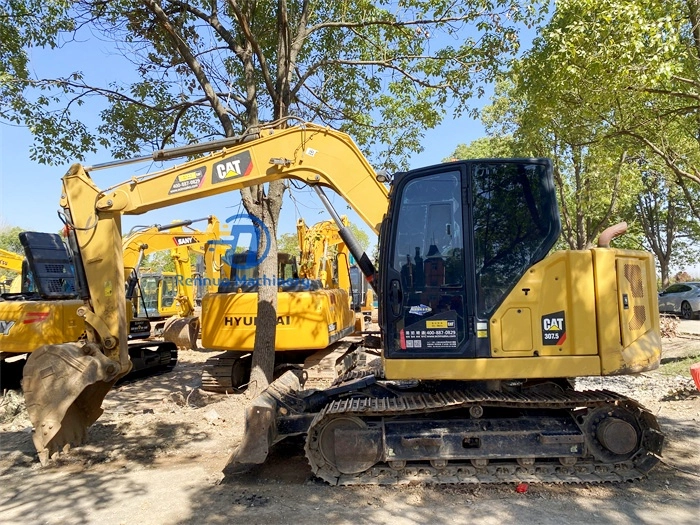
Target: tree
(360, 235)
(528, 120)
(383, 72)
(606, 84)
(159, 262)
(494, 146)
(630, 70)
(9, 239)
(664, 217)
(288, 243)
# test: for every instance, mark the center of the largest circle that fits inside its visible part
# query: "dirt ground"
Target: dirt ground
(156, 455)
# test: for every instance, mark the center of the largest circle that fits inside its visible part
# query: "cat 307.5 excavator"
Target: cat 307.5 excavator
(481, 328)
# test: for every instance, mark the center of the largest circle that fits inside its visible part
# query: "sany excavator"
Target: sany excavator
(314, 313)
(167, 300)
(481, 328)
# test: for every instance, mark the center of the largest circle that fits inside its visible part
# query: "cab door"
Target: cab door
(427, 280)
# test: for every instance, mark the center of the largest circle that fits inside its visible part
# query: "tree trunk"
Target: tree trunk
(266, 208)
(266, 325)
(663, 268)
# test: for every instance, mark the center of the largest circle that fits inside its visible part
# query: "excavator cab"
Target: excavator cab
(49, 268)
(157, 293)
(460, 236)
(245, 276)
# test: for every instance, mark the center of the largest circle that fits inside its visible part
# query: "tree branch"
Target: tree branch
(668, 159)
(613, 199)
(250, 38)
(194, 65)
(393, 23)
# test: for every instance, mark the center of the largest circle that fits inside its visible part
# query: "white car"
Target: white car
(681, 298)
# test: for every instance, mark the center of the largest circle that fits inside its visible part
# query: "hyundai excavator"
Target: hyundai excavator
(482, 328)
(314, 313)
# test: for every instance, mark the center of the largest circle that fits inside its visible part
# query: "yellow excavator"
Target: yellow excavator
(47, 312)
(12, 262)
(325, 256)
(482, 328)
(314, 313)
(167, 299)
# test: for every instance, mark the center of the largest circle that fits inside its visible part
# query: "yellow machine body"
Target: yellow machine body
(306, 320)
(27, 325)
(600, 337)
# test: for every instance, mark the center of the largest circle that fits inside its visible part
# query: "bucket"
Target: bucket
(695, 372)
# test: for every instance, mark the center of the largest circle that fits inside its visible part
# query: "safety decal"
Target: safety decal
(232, 167)
(554, 329)
(188, 181)
(35, 317)
(421, 309)
(437, 332)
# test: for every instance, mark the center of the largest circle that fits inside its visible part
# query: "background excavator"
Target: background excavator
(10, 261)
(314, 312)
(481, 328)
(47, 312)
(167, 299)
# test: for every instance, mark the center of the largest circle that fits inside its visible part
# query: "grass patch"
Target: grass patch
(678, 366)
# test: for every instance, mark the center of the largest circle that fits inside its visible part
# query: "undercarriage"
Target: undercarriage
(367, 430)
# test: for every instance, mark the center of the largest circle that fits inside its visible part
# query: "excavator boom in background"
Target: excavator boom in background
(481, 328)
(12, 262)
(167, 300)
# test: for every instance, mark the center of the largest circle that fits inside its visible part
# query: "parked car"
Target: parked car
(681, 298)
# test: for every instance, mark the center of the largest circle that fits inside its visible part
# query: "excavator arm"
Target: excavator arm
(10, 261)
(65, 384)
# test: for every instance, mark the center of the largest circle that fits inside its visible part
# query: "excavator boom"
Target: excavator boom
(10, 261)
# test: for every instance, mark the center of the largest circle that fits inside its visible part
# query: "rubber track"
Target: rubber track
(216, 374)
(586, 470)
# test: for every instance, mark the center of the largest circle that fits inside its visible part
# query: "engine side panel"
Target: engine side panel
(576, 313)
(27, 325)
(305, 320)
